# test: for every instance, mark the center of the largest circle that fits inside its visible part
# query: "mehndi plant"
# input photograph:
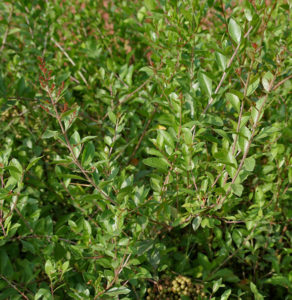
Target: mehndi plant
(145, 149)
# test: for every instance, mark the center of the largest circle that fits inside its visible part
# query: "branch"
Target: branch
(14, 287)
(281, 82)
(69, 58)
(44, 81)
(254, 127)
(225, 73)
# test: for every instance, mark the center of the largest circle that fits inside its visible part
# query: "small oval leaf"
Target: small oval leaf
(205, 83)
(221, 60)
(196, 223)
(235, 31)
(234, 100)
(158, 163)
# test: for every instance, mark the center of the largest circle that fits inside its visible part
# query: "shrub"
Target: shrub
(144, 145)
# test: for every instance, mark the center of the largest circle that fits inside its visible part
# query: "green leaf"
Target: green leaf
(150, 4)
(267, 80)
(118, 291)
(255, 111)
(221, 60)
(49, 133)
(158, 163)
(226, 295)
(235, 31)
(205, 83)
(88, 154)
(86, 227)
(196, 223)
(267, 132)
(279, 280)
(226, 275)
(248, 14)
(67, 115)
(223, 133)
(45, 294)
(108, 140)
(253, 86)
(255, 291)
(237, 189)
(152, 151)
(144, 246)
(147, 70)
(15, 169)
(167, 137)
(49, 269)
(226, 157)
(237, 237)
(249, 11)
(87, 138)
(75, 143)
(112, 117)
(204, 261)
(188, 136)
(244, 138)
(212, 119)
(5, 266)
(216, 285)
(249, 164)
(234, 100)
(65, 266)
(32, 162)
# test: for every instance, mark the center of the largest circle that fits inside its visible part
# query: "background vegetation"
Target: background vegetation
(145, 149)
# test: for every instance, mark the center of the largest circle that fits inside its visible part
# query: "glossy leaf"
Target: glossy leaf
(88, 154)
(267, 81)
(234, 31)
(234, 100)
(117, 291)
(196, 222)
(249, 164)
(253, 86)
(237, 189)
(32, 162)
(158, 163)
(226, 295)
(205, 83)
(221, 60)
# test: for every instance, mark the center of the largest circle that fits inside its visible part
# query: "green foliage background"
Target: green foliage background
(175, 154)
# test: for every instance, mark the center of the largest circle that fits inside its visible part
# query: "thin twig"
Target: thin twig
(7, 29)
(16, 199)
(225, 73)
(14, 286)
(166, 181)
(240, 114)
(75, 160)
(129, 95)
(142, 135)
(254, 127)
(117, 272)
(70, 59)
(233, 253)
(44, 81)
(281, 82)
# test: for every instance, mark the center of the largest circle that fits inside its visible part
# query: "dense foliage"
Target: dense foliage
(145, 149)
